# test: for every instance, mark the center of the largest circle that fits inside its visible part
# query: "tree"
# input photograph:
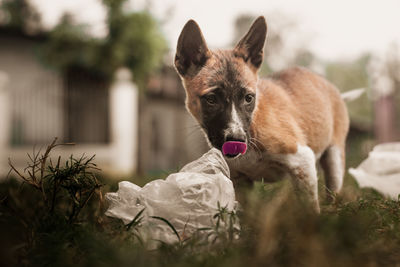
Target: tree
(351, 74)
(20, 15)
(70, 45)
(134, 41)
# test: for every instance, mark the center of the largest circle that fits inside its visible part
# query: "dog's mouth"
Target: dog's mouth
(233, 149)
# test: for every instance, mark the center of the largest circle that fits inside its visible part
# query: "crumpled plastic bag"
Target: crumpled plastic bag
(188, 199)
(381, 170)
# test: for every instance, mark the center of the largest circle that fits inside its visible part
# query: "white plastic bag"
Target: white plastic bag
(188, 199)
(381, 170)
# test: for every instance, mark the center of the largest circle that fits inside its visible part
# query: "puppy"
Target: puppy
(288, 121)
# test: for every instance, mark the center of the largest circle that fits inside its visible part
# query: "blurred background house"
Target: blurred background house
(74, 106)
(48, 91)
(111, 88)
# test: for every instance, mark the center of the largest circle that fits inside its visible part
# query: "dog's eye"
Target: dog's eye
(211, 99)
(249, 98)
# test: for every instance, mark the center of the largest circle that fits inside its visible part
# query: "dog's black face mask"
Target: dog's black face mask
(221, 85)
(227, 111)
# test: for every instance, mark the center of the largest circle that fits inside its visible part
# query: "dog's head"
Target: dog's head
(221, 85)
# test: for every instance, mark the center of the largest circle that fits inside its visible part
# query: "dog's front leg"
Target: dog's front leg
(302, 169)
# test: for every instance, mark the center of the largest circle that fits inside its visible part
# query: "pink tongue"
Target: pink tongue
(234, 148)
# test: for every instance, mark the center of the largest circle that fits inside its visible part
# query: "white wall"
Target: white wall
(4, 124)
(35, 92)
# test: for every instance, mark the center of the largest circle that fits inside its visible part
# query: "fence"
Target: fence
(74, 110)
(100, 119)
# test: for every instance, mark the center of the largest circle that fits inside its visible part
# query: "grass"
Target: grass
(360, 228)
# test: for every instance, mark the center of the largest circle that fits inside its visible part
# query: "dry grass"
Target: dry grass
(360, 229)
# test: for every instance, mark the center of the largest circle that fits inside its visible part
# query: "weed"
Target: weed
(57, 221)
(74, 181)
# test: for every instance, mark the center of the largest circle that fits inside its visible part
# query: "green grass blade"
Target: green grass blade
(135, 220)
(169, 224)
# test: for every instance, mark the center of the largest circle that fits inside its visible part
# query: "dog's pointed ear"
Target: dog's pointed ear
(192, 51)
(250, 47)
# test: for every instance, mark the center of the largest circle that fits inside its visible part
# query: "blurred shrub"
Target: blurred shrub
(352, 74)
(20, 14)
(134, 40)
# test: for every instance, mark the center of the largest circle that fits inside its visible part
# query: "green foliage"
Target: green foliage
(70, 45)
(20, 15)
(347, 75)
(134, 40)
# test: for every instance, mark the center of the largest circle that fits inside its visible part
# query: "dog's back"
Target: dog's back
(297, 106)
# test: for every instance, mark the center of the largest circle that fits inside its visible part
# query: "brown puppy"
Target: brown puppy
(289, 121)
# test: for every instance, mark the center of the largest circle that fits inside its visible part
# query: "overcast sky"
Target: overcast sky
(331, 29)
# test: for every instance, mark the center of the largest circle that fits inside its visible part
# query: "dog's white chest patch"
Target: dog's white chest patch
(256, 166)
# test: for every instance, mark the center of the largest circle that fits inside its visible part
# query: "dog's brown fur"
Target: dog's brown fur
(303, 108)
(295, 107)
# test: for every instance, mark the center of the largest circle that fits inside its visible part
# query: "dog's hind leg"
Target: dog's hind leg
(332, 163)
